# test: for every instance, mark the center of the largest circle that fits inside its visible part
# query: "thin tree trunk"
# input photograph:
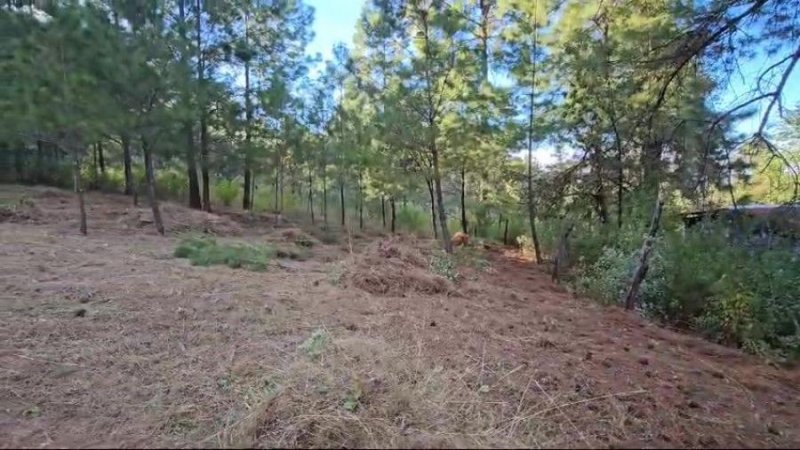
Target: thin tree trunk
(130, 189)
(195, 201)
(206, 179)
(433, 208)
(383, 210)
(437, 181)
(203, 109)
(531, 110)
(324, 199)
(101, 158)
(463, 199)
(505, 234)
(151, 186)
(76, 181)
(95, 176)
(280, 184)
(341, 198)
(394, 214)
(360, 201)
(561, 260)
(647, 247)
(311, 194)
(246, 200)
(39, 161)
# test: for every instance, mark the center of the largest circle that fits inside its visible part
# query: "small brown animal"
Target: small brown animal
(460, 239)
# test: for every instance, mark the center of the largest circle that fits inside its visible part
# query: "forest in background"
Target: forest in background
(429, 123)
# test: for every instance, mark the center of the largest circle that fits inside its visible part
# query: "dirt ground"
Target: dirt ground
(109, 341)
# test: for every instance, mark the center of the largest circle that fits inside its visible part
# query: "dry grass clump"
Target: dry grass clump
(360, 392)
(181, 219)
(392, 268)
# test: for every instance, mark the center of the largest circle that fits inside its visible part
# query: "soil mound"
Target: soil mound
(391, 268)
(179, 218)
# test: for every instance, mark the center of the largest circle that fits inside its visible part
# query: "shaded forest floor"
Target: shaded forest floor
(108, 340)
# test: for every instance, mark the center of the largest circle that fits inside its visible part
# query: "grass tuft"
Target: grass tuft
(207, 252)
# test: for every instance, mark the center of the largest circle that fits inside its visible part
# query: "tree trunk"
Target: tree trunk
(433, 208)
(246, 199)
(101, 158)
(394, 214)
(647, 247)
(437, 182)
(76, 181)
(463, 199)
(246, 204)
(383, 210)
(360, 201)
(204, 164)
(130, 189)
(95, 175)
(324, 199)
(561, 261)
(203, 112)
(195, 201)
(505, 234)
(280, 184)
(311, 194)
(341, 198)
(151, 186)
(531, 203)
(39, 161)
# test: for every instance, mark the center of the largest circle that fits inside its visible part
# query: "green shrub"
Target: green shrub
(414, 219)
(172, 183)
(738, 294)
(207, 252)
(444, 265)
(226, 191)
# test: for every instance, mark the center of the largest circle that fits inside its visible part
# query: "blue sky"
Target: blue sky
(335, 21)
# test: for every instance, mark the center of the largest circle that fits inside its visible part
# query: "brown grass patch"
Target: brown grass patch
(179, 218)
(362, 392)
(391, 268)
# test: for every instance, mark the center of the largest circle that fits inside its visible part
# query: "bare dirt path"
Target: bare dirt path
(107, 340)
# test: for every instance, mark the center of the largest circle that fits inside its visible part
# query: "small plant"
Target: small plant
(444, 265)
(353, 398)
(336, 274)
(207, 252)
(316, 343)
(303, 241)
(226, 191)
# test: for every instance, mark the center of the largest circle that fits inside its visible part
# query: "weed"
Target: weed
(207, 252)
(444, 265)
(226, 191)
(336, 274)
(315, 344)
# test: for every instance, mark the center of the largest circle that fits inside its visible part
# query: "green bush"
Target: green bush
(226, 191)
(414, 219)
(207, 252)
(444, 265)
(738, 294)
(172, 183)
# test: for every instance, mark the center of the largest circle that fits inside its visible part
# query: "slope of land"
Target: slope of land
(108, 340)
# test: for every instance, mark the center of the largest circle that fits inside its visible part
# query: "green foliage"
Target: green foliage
(414, 219)
(445, 265)
(203, 251)
(315, 345)
(226, 191)
(739, 294)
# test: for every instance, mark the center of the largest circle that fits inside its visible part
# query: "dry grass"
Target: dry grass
(108, 341)
(392, 268)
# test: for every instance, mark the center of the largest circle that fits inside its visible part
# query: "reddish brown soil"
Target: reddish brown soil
(109, 341)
